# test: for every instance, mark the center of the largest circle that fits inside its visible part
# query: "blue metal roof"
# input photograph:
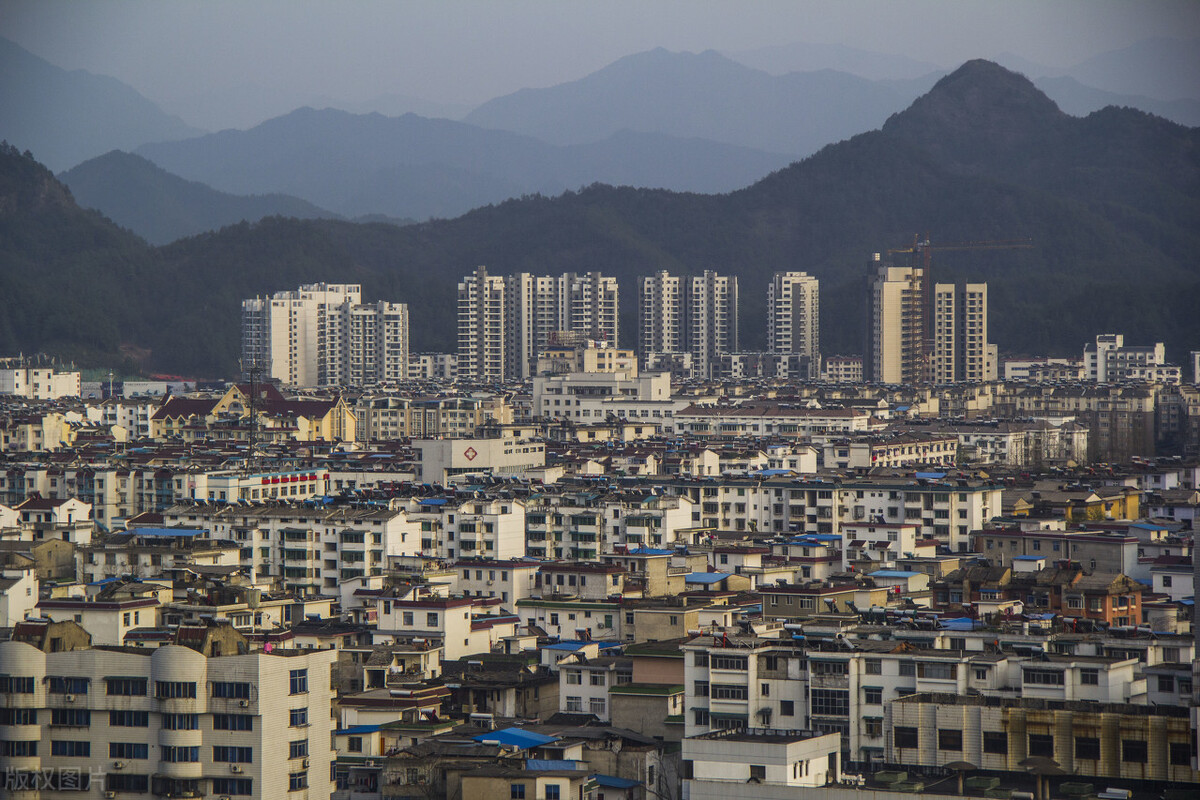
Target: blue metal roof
(613, 782)
(548, 763)
(649, 551)
(354, 730)
(433, 501)
(705, 577)
(167, 531)
(893, 573)
(1026, 558)
(514, 737)
(931, 476)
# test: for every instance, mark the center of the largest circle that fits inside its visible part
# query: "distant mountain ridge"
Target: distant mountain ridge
(69, 117)
(1109, 201)
(703, 95)
(161, 207)
(414, 167)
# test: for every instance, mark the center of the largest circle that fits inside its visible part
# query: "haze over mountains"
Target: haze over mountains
(683, 121)
(982, 155)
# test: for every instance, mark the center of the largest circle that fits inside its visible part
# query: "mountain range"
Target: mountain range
(161, 207)
(70, 116)
(1109, 201)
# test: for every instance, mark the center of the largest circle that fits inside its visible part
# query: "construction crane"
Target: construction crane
(921, 258)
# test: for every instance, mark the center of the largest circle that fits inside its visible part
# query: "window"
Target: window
(1166, 683)
(1133, 751)
(1179, 754)
(1044, 677)
(18, 749)
(729, 691)
(874, 666)
(298, 749)
(233, 722)
(128, 750)
(698, 659)
(516, 791)
(758, 772)
(71, 717)
(138, 784)
(166, 690)
(71, 749)
(908, 669)
(1089, 677)
(574, 677)
(431, 619)
(298, 717)
(18, 716)
(553, 792)
(596, 706)
(1087, 747)
(231, 690)
(787, 708)
(1041, 744)
(995, 743)
(232, 786)
(700, 689)
(298, 682)
(126, 687)
(937, 670)
(831, 702)
(597, 678)
(949, 739)
(57, 684)
(872, 695)
(904, 737)
(574, 703)
(729, 662)
(181, 722)
(873, 727)
(828, 667)
(179, 755)
(297, 781)
(131, 719)
(408, 618)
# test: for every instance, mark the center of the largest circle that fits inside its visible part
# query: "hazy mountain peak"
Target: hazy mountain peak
(980, 102)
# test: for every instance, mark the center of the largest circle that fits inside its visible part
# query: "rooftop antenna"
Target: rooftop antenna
(253, 371)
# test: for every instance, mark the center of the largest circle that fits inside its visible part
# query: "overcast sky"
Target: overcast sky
(466, 51)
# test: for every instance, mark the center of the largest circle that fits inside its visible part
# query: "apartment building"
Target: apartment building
(961, 351)
(1110, 360)
(1102, 740)
(311, 548)
(697, 315)
(203, 717)
(467, 526)
(896, 332)
(504, 323)
(19, 379)
(793, 315)
(322, 334)
(842, 369)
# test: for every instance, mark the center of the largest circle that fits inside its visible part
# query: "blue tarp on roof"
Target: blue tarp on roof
(103, 581)
(167, 531)
(705, 577)
(613, 782)
(1026, 558)
(960, 624)
(649, 551)
(772, 472)
(433, 501)
(514, 737)
(542, 764)
(893, 573)
(354, 730)
(931, 476)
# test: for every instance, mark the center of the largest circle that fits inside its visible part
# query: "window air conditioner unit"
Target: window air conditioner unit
(235, 767)
(118, 765)
(110, 794)
(304, 763)
(70, 698)
(244, 704)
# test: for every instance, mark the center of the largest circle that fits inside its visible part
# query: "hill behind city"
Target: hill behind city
(1109, 202)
